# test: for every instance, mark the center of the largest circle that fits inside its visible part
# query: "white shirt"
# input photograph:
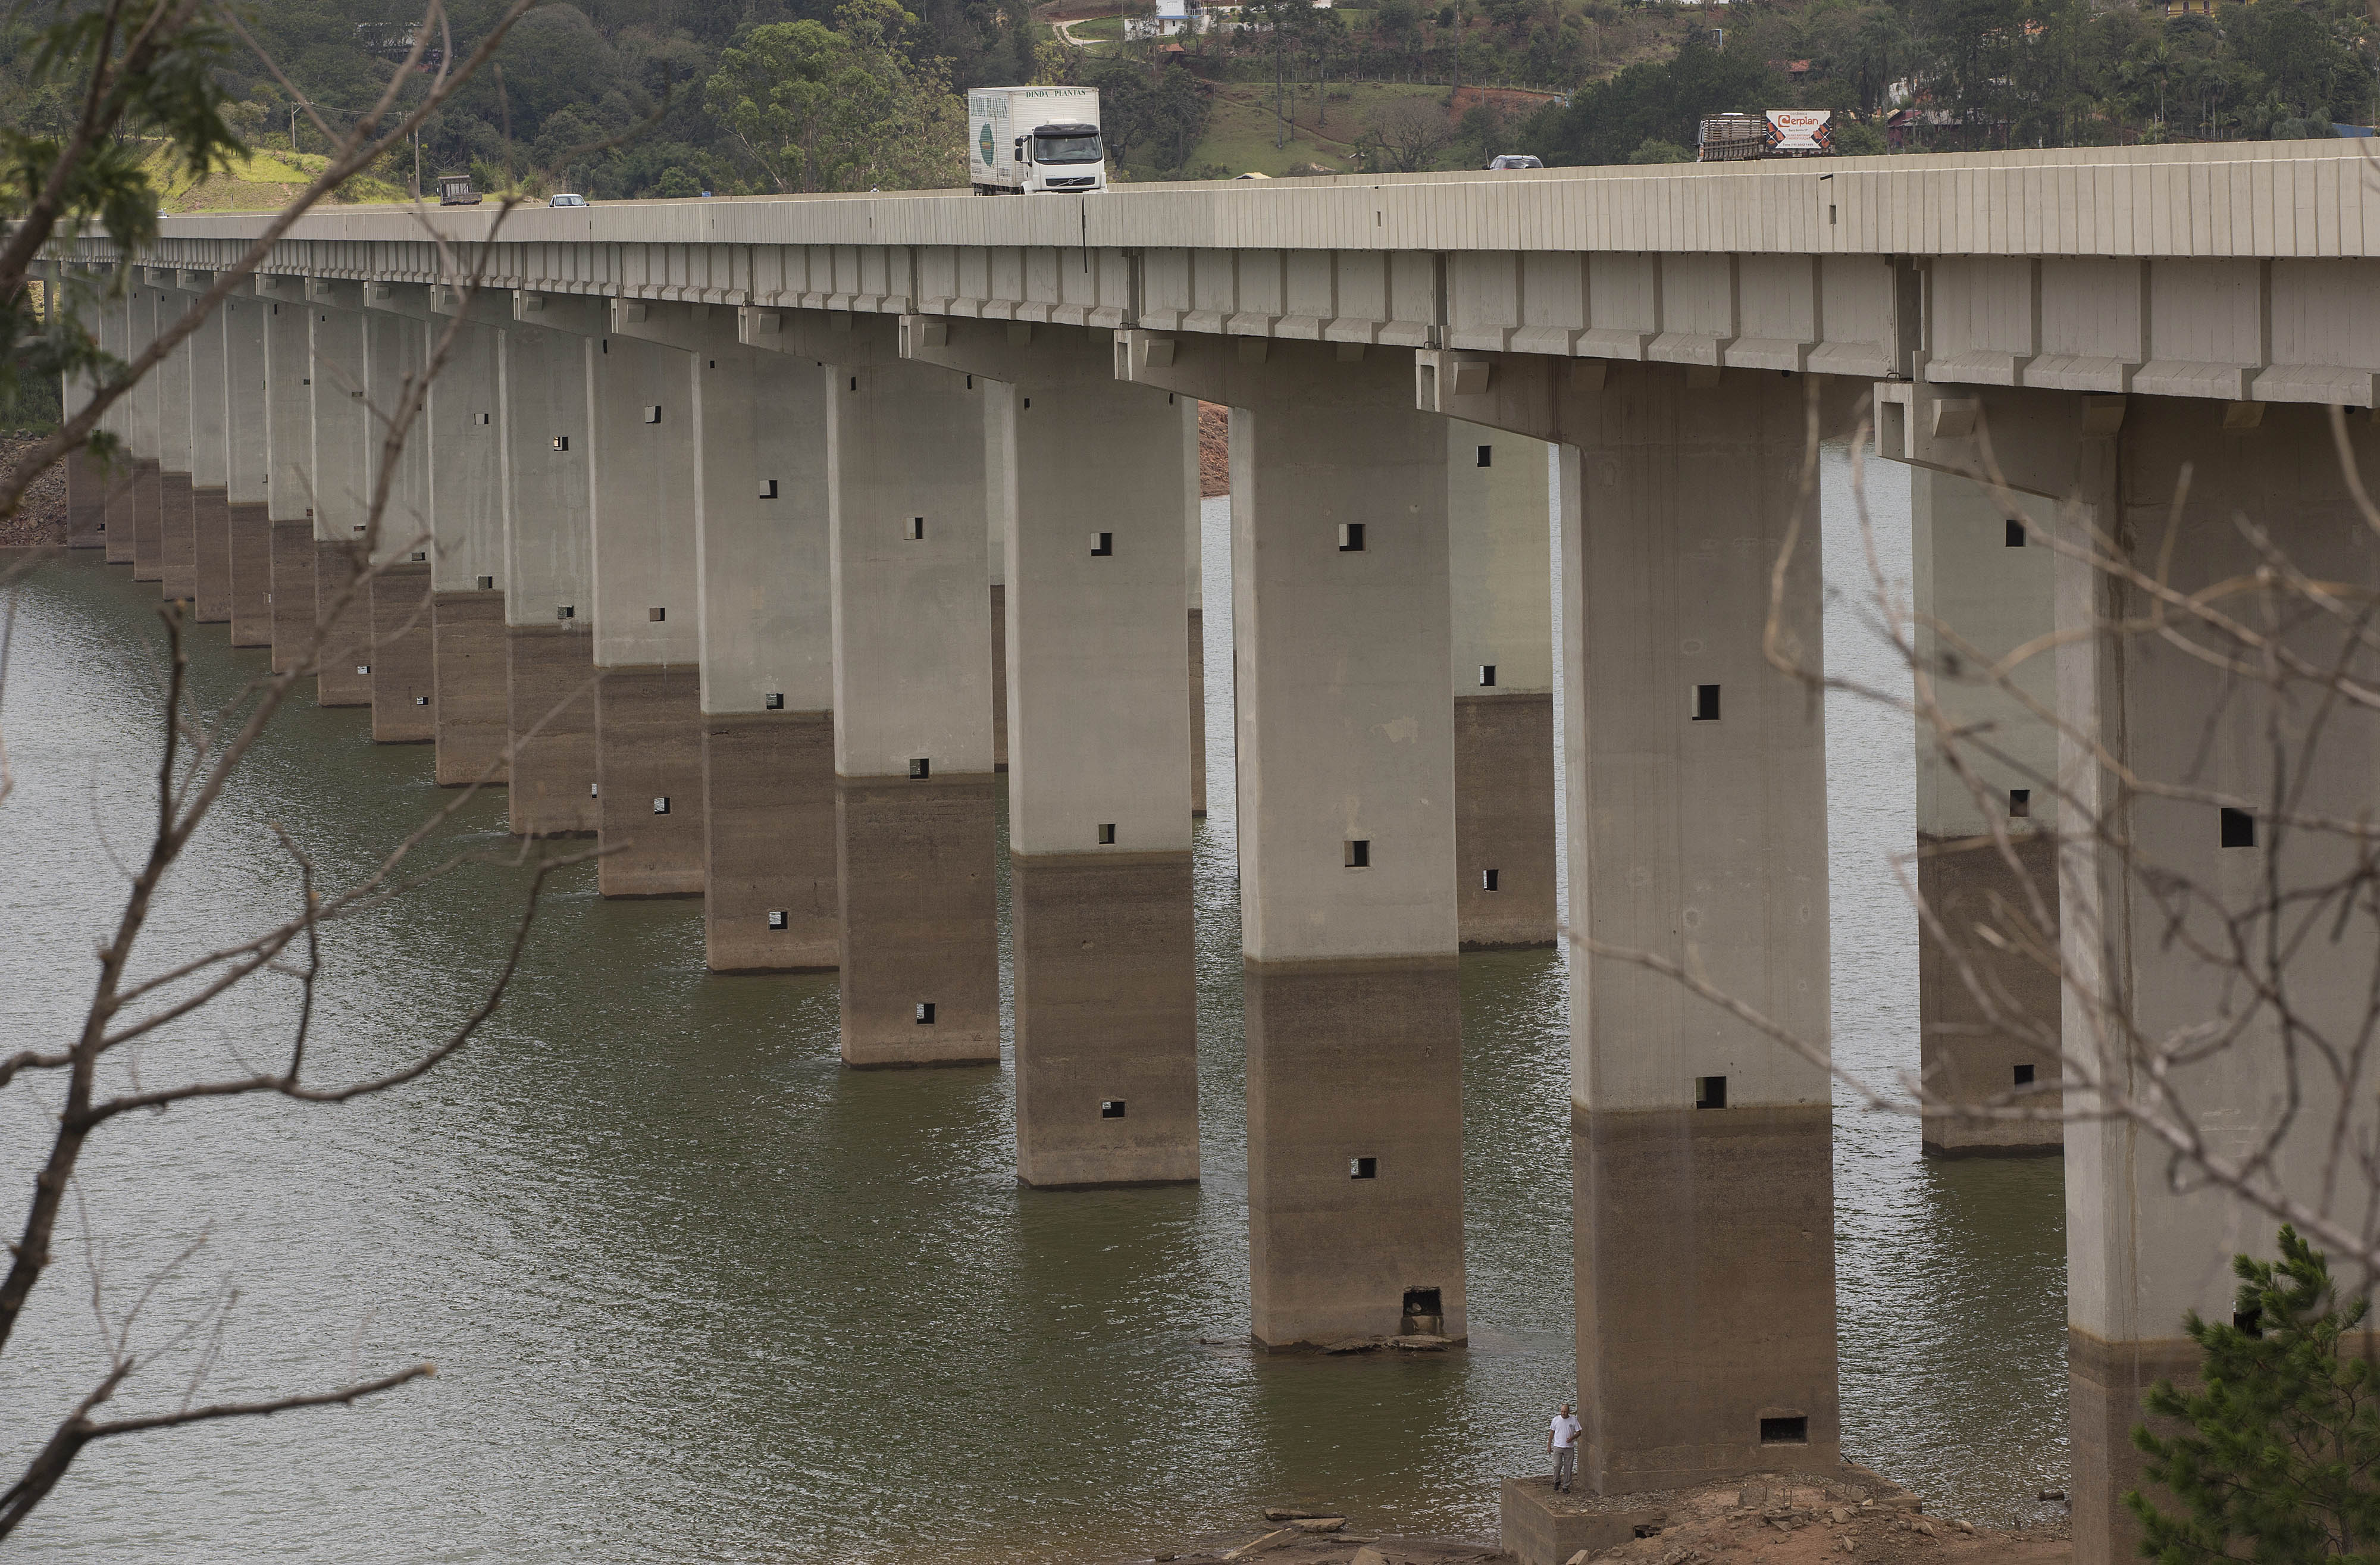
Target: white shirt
(1566, 1429)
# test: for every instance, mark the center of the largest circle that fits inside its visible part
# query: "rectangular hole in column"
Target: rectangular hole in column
(660, 805)
(594, 789)
(564, 612)
(421, 701)
(1351, 538)
(1705, 703)
(776, 918)
(2015, 533)
(2239, 828)
(652, 413)
(855, 383)
(1789, 1431)
(914, 528)
(655, 616)
(2024, 1075)
(1487, 677)
(484, 419)
(420, 557)
(1111, 1109)
(1487, 879)
(562, 443)
(487, 584)
(1424, 1311)
(2019, 804)
(922, 767)
(1359, 853)
(768, 488)
(363, 668)
(776, 701)
(1486, 453)
(1103, 543)
(925, 1012)
(1710, 1092)
(1107, 836)
(1362, 1168)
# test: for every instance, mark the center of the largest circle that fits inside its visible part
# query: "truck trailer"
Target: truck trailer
(1026, 138)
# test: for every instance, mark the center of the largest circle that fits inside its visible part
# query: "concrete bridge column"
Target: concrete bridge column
(1984, 573)
(648, 626)
(765, 643)
(141, 433)
(1092, 477)
(113, 314)
(177, 561)
(340, 466)
(396, 355)
(549, 582)
(1500, 567)
(462, 436)
(289, 465)
(248, 522)
(1702, 1154)
(1195, 551)
(87, 477)
(913, 712)
(1346, 831)
(210, 461)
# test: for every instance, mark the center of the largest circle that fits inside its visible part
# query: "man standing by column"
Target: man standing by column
(1562, 1441)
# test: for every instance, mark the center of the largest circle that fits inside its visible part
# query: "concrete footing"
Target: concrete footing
(921, 943)
(649, 769)
(1355, 1149)
(1541, 1528)
(177, 544)
(87, 485)
(466, 633)
(210, 548)
(770, 901)
(550, 718)
(1707, 1299)
(250, 527)
(343, 678)
(1966, 1057)
(293, 593)
(403, 673)
(1107, 1018)
(1504, 819)
(2105, 1384)
(147, 520)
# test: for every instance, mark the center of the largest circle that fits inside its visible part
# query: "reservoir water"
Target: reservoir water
(696, 1293)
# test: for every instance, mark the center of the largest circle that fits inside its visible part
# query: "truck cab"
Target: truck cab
(1063, 157)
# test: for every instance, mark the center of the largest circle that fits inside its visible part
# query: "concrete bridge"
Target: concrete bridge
(852, 500)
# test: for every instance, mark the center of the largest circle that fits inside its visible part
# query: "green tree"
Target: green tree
(2281, 1441)
(843, 108)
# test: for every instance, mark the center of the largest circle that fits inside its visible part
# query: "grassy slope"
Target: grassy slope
(264, 181)
(1240, 136)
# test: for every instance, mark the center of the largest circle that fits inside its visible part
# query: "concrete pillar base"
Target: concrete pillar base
(343, 678)
(1964, 1056)
(147, 520)
(123, 484)
(649, 766)
(1354, 1148)
(1197, 712)
(915, 864)
(250, 527)
(292, 597)
(998, 678)
(177, 547)
(1707, 1235)
(1504, 819)
(770, 901)
(466, 635)
(404, 677)
(210, 548)
(2106, 1381)
(86, 501)
(550, 718)
(1107, 1019)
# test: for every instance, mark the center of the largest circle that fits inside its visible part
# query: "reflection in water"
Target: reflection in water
(696, 1291)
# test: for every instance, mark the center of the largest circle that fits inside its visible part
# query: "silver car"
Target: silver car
(568, 201)
(1515, 160)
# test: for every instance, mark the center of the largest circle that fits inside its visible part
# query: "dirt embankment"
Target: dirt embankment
(1214, 450)
(40, 515)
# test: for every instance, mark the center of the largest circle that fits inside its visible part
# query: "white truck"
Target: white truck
(1026, 139)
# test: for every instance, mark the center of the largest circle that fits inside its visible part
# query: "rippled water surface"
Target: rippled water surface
(696, 1293)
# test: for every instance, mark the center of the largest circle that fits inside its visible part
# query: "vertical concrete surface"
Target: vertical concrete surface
(248, 520)
(404, 677)
(1098, 782)
(648, 706)
(141, 405)
(289, 464)
(210, 460)
(549, 598)
(767, 651)
(462, 434)
(404, 680)
(907, 523)
(340, 467)
(1982, 571)
(1704, 1246)
(1194, 541)
(1500, 567)
(2140, 1256)
(177, 568)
